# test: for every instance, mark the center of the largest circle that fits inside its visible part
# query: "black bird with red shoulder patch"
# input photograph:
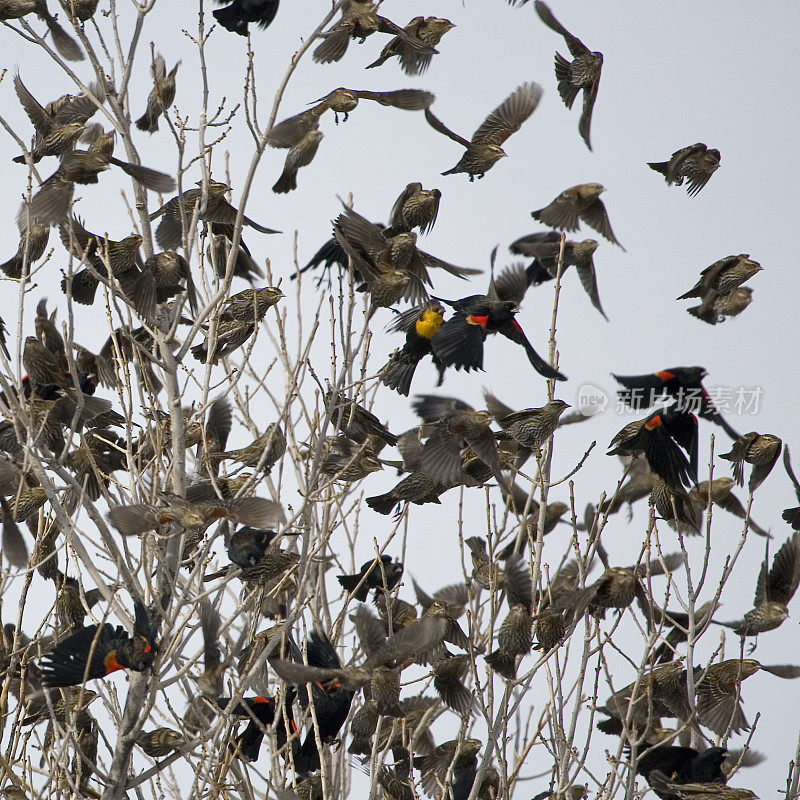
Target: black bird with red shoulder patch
(459, 341)
(682, 384)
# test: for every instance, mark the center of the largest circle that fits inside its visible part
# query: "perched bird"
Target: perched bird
(299, 155)
(720, 279)
(695, 163)
(723, 306)
(32, 245)
(665, 787)
(66, 46)
(532, 427)
(356, 422)
(291, 131)
(774, 589)
(682, 384)
(545, 248)
(668, 440)
(348, 460)
(160, 742)
(262, 453)
(82, 10)
(582, 73)
(170, 274)
(161, 97)
(577, 204)
(414, 208)
(237, 15)
(413, 60)
(244, 265)
(359, 20)
(420, 324)
(98, 650)
(484, 150)
(261, 713)
(459, 341)
(169, 233)
(762, 450)
(449, 675)
(384, 573)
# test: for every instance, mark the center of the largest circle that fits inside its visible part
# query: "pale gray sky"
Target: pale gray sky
(674, 74)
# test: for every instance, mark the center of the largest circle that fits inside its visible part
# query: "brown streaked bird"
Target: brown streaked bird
(59, 140)
(720, 491)
(448, 681)
(414, 208)
(723, 306)
(416, 488)
(264, 451)
(695, 163)
(578, 204)
(720, 278)
(359, 20)
(791, 515)
(435, 766)
(299, 155)
(675, 506)
(161, 96)
(486, 573)
(98, 140)
(32, 244)
(250, 305)
(82, 10)
(664, 786)
(532, 427)
(244, 265)
(171, 274)
(484, 150)
(169, 233)
(676, 623)
(582, 73)
(66, 46)
(719, 705)
(762, 450)
(352, 419)
(231, 335)
(290, 131)
(347, 460)
(160, 742)
(545, 247)
(414, 61)
(448, 603)
(774, 589)
(51, 203)
(378, 670)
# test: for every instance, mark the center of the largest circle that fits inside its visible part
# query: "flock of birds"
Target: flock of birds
(55, 411)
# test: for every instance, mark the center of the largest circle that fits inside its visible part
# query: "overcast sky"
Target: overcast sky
(674, 74)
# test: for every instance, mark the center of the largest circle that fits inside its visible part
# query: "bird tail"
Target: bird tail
(660, 167)
(503, 664)
(382, 503)
(398, 372)
(286, 183)
(147, 122)
(349, 583)
(566, 88)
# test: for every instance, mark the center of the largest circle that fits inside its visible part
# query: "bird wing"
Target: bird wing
(510, 284)
(699, 171)
(361, 235)
(438, 125)
(440, 459)
(508, 117)
(406, 99)
(588, 276)
(589, 97)
(784, 577)
(545, 244)
(562, 213)
(396, 220)
(159, 69)
(575, 45)
(423, 261)
(459, 343)
(677, 161)
(36, 114)
(596, 217)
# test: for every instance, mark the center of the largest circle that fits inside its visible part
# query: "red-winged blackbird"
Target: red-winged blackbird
(722, 306)
(762, 450)
(683, 384)
(448, 680)
(355, 421)
(420, 324)
(532, 427)
(160, 742)
(720, 490)
(237, 15)
(661, 437)
(260, 711)
(513, 282)
(484, 150)
(695, 163)
(774, 589)
(32, 244)
(721, 278)
(414, 61)
(684, 764)
(67, 47)
(371, 575)
(169, 233)
(219, 246)
(299, 155)
(359, 20)
(416, 488)
(436, 766)
(459, 341)
(289, 132)
(331, 704)
(99, 650)
(414, 208)
(582, 73)
(578, 204)
(161, 97)
(665, 787)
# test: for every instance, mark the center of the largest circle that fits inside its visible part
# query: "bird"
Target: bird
(684, 385)
(762, 450)
(723, 306)
(775, 587)
(578, 204)
(695, 164)
(668, 440)
(484, 149)
(289, 132)
(413, 60)
(32, 245)
(665, 787)
(414, 208)
(383, 572)
(720, 279)
(359, 20)
(66, 46)
(161, 97)
(299, 155)
(160, 742)
(459, 341)
(720, 493)
(513, 282)
(237, 15)
(169, 233)
(98, 650)
(532, 427)
(420, 324)
(582, 73)
(262, 453)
